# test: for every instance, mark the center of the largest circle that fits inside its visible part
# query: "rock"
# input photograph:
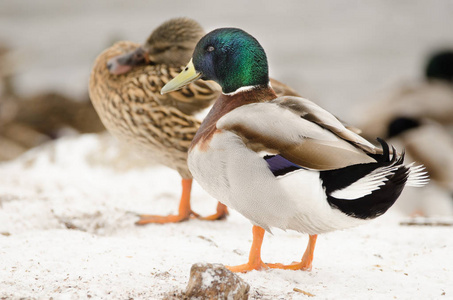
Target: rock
(214, 281)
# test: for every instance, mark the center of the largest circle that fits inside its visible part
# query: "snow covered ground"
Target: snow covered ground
(67, 214)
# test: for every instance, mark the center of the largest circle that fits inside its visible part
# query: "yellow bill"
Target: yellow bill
(188, 75)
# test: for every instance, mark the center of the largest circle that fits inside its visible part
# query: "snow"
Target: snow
(209, 277)
(67, 231)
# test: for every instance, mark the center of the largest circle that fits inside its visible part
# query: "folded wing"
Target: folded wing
(300, 131)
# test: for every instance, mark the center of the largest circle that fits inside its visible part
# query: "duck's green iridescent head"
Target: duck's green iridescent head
(230, 56)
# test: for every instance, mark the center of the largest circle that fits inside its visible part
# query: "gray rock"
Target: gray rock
(214, 281)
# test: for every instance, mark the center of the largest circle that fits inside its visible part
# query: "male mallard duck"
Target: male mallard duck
(124, 87)
(431, 98)
(283, 162)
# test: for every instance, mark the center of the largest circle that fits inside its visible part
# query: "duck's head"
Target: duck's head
(440, 66)
(171, 43)
(230, 56)
(399, 125)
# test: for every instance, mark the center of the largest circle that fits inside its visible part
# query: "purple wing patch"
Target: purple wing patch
(280, 166)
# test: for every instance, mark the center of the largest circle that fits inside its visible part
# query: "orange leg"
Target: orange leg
(221, 213)
(307, 259)
(255, 262)
(184, 211)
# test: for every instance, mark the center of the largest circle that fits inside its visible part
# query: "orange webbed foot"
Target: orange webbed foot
(184, 211)
(247, 267)
(155, 219)
(255, 262)
(294, 266)
(307, 259)
(221, 213)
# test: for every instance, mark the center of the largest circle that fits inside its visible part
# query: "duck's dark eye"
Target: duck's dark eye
(210, 48)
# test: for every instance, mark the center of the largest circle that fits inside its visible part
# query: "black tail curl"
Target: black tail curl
(385, 157)
(380, 200)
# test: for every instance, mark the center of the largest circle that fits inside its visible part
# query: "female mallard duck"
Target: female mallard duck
(283, 162)
(124, 88)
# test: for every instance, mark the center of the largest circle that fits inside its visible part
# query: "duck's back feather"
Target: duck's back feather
(310, 111)
(299, 131)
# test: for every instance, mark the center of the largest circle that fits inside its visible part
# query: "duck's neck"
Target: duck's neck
(228, 102)
(243, 89)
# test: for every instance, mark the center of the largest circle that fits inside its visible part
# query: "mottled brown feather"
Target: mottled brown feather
(130, 108)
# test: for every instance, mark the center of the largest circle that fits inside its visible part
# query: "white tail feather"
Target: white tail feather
(366, 185)
(418, 176)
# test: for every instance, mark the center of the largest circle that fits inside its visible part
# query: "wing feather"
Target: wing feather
(314, 113)
(300, 131)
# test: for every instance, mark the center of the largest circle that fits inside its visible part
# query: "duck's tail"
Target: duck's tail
(366, 191)
(418, 176)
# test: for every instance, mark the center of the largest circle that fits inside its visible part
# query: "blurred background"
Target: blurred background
(337, 53)
(340, 54)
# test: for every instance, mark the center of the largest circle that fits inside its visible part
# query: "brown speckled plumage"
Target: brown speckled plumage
(132, 109)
